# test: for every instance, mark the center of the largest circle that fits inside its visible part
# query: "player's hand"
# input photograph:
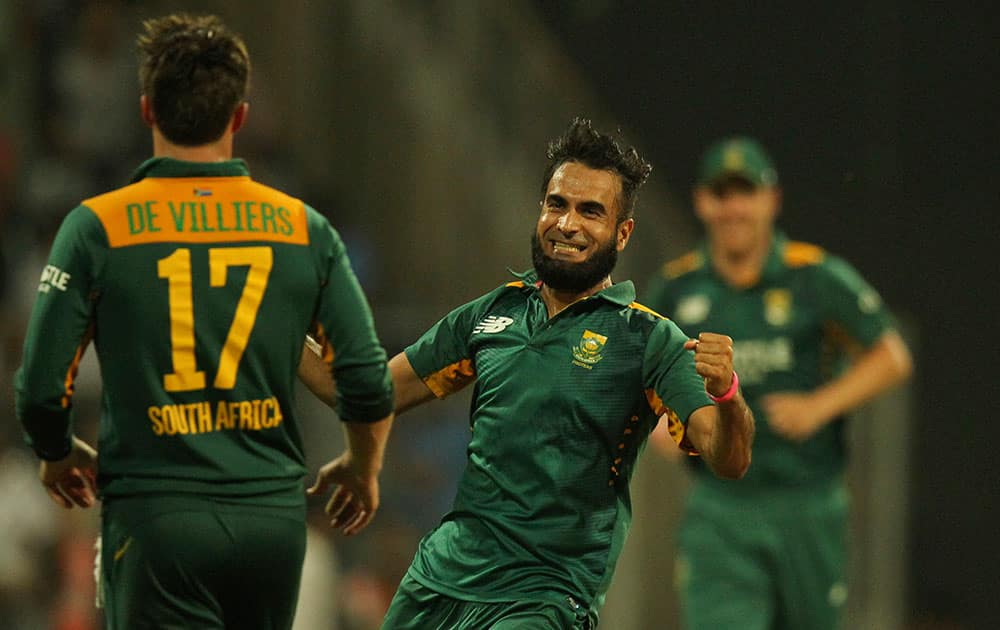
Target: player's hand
(713, 358)
(71, 480)
(793, 415)
(355, 498)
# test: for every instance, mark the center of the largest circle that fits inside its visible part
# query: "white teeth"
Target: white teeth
(563, 247)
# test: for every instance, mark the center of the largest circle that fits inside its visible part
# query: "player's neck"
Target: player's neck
(218, 151)
(556, 301)
(741, 268)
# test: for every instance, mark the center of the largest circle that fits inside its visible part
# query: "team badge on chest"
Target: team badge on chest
(777, 306)
(588, 351)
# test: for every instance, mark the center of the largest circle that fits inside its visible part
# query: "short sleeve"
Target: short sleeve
(850, 302)
(673, 385)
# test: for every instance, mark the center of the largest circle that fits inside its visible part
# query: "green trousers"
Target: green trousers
(763, 559)
(416, 607)
(194, 563)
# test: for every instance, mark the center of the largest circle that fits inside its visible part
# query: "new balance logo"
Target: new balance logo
(492, 324)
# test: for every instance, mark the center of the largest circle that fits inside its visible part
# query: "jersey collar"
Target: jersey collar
(621, 293)
(169, 167)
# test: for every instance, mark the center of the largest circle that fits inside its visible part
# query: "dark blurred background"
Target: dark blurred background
(419, 128)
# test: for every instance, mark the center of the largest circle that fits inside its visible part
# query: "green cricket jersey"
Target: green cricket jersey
(197, 286)
(791, 331)
(561, 409)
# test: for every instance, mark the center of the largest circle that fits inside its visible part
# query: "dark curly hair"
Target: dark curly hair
(584, 144)
(195, 72)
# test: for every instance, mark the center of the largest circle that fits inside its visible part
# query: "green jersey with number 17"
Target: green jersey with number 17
(197, 286)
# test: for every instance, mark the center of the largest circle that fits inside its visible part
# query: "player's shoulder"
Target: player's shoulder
(113, 200)
(799, 254)
(276, 197)
(641, 310)
(691, 262)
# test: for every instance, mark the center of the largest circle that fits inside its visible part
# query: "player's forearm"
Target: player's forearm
(366, 442)
(732, 439)
(410, 389)
(884, 365)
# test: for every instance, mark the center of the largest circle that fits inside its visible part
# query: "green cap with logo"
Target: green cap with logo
(740, 157)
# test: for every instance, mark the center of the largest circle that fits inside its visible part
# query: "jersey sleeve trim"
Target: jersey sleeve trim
(69, 383)
(451, 378)
(676, 428)
(645, 309)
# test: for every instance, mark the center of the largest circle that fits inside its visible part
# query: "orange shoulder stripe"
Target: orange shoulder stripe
(451, 378)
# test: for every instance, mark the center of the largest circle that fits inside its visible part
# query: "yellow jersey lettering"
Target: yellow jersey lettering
(169, 420)
(277, 412)
(154, 418)
(246, 415)
(199, 417)
(221, 417)
(256, 414)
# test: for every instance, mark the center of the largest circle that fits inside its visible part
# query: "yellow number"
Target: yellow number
(176, 268)
(259, 260)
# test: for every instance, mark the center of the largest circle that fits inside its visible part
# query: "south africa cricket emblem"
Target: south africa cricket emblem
(588, 351)
(777, 306)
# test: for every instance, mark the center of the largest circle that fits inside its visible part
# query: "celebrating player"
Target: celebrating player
(198, 286)
(571, 375)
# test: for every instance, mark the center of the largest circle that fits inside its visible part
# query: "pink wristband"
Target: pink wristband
(729, 393)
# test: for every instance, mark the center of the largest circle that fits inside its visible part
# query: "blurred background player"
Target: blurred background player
(813, 341)
(198, 285)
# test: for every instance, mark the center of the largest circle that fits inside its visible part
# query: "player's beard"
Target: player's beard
(573, 277)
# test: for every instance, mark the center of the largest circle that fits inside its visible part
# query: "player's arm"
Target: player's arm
(798, 416)
(411, 390)
(722, 433)
(879, 358)
(315, 373)
(59, 331)
(352, 374)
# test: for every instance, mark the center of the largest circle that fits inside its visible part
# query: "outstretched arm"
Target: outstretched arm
(722, 433)
(798, 415)
(410, 389)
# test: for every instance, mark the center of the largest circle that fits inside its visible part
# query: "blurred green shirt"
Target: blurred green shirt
(561, 409)
(791, 331)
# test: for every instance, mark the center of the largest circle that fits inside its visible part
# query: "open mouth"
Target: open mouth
(559, 247)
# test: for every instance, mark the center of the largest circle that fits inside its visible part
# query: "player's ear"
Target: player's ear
(239, 116)
(775, 201)
(700, 199)
(624, 232)
(146, 111)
